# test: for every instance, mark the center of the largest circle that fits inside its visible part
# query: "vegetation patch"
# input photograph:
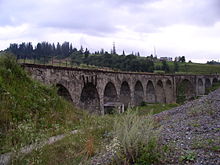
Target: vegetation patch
(146, 109)
(213, 87)
(137, 139)
(74, 149)
(188, 156)
(204, 109)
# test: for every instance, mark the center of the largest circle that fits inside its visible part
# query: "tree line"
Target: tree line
(43, 49)
(130, 62)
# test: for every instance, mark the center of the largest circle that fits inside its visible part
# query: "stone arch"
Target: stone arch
(89, 98)
(160, 93)
(110, 97)
(138, 93)
(150, 92)
(185, 91)
(169, 91)
(215, 80)
(125, 94)
(200, 87)
(207, 83)
(63, 92)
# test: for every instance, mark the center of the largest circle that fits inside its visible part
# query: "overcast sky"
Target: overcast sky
(188, 28)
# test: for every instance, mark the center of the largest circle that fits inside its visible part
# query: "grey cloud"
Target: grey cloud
(81, 16)
(102, 17)
(197, 12)
(14, 12)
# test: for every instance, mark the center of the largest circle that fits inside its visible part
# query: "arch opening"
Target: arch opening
(89, 98)
(150, 93)
(215, 80)
(185, 91)
(63, 92)
(207, 83)
(200, 87)
(169, 92)
(125, 94)
(160, 92)
(110, 98)
(138, 93)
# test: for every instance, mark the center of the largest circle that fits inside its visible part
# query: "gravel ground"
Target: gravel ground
(192, 132)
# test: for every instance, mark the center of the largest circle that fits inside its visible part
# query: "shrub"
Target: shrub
(134, 134)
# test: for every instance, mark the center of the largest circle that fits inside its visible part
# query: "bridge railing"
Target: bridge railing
(46, 61)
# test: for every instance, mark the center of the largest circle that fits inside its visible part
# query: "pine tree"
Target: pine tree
(123, 53)
(113, 50)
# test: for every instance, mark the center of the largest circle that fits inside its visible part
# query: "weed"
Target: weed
(149, 153)
(195, 124)
(215, 148)
(188, 156)
(89, 146)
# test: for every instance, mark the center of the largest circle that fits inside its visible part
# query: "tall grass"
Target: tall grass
(134, 133)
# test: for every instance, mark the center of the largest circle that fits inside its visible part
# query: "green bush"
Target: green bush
(149, 153)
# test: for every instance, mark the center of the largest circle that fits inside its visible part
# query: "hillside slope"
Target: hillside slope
(30, 111)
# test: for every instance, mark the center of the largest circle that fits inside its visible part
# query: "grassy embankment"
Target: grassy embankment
(30, 111)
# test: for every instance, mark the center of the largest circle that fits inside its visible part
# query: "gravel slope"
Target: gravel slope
(193, 131)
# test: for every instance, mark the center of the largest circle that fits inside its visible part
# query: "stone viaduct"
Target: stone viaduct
(97, 90)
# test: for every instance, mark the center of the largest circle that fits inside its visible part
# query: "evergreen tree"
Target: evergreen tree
(81, 50)
(65, 49)
(165, 66)
(86, 53)
(58, 51)
(183, 59)
(113, 49)
(176, 66)
(123, 53)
